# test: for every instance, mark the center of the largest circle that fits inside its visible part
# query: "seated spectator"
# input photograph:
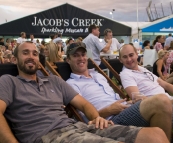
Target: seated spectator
(95, 88)
(135, 78)
(58, 37)
(60, 44)
(159, 66)
(10, 48)
(9, 58)
(8, 42)
(157, 43)
(42, 119)
(53, 53)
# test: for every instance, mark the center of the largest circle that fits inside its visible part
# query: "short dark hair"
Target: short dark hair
(91, 27)
(22, 33)
(52, 36)
(146, 43)
(106, 31)
(170, 34)
(58, 34)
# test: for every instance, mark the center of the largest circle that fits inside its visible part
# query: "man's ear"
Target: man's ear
(68, 60)
(120, 60)
(15, 60)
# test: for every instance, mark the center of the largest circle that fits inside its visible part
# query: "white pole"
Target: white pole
(137, 18)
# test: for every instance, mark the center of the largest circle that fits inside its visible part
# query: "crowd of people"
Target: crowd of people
(31, 105)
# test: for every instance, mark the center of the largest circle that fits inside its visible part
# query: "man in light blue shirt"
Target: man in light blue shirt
(94, 87)
(92, 43)
(168, 41)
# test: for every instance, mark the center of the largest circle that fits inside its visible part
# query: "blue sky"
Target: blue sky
(125, 10)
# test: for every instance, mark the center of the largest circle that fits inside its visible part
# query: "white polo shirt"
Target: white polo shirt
(114, 46)
(145, 80)
(20, 40)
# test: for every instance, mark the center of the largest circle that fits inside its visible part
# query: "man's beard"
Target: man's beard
(28, 70)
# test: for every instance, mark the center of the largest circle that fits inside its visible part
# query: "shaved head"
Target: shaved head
(128, 56)
(124, 47)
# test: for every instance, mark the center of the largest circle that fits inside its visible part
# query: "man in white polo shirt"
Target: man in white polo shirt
(115, 46)
(135, 78)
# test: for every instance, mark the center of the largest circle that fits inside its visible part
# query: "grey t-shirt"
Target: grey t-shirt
(92, 42)
(34, 109)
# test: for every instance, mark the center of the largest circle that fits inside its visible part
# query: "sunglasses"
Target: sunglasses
(149, 75)
(74, 45)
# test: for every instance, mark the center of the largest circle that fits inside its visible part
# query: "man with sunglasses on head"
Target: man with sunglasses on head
(94, 45)
(95, 88)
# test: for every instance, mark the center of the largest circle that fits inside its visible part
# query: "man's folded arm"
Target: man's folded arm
(6, 135)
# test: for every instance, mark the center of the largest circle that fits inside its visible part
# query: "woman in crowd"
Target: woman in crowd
(10, 48)
(159, 66)
(157, 44)
(53, 53)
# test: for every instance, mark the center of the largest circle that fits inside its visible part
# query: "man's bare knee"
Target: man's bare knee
(151, 135)
(155, 104)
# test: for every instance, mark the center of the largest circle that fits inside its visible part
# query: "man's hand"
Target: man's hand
(100, 122)
(117, 107)
(109, 41)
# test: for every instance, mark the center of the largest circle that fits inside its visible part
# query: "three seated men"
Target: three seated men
(32, 107)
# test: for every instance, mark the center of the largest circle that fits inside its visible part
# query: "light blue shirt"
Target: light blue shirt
(96, 89)
(92, 42)
(168, 41)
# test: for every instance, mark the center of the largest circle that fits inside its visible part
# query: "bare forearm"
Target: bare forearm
(6, 136)
(160, 74)
(107, 47)
(105, 112)
(90, 111)
(168, 87)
